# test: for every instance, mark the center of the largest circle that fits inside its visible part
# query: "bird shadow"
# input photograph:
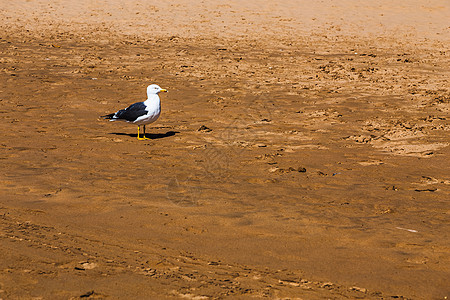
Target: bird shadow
(153, 136)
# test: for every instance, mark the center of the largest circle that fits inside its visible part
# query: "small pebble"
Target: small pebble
(204, 129)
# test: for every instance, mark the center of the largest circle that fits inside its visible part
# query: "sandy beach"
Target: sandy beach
(302, 150)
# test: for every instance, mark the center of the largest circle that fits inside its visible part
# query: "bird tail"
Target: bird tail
(109, 117)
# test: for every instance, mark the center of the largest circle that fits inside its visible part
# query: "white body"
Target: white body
(153, 109)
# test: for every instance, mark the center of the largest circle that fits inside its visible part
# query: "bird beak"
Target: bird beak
(163, 90)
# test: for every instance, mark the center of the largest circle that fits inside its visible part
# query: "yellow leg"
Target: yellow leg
(146, 138)
(138, 135)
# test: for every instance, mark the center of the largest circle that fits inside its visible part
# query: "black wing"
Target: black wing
(132, 112)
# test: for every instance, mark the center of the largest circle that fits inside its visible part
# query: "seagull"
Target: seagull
(141, 113)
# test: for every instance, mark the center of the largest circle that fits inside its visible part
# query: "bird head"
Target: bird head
(154, 89)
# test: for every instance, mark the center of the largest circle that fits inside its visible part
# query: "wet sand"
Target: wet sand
(302, 151)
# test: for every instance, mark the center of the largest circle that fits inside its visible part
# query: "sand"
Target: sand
(302, 151)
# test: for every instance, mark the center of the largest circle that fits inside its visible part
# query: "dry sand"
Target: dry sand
(320, 170)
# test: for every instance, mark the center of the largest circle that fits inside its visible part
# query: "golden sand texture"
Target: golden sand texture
(302, 150)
